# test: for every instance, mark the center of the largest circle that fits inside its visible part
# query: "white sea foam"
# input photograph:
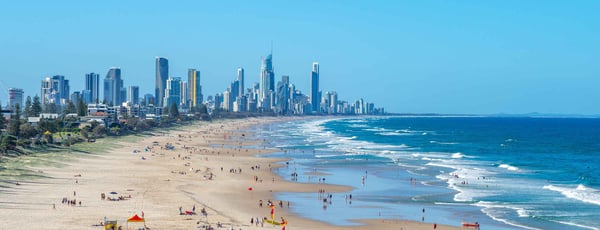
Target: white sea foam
(457, 155)
(578, 225)
(379, 129)
(489, 207)
(356, 121)
(581, 193)
(443, 143)
(326, 155)
(465, 180)
(508, 167)
(358, 126)
(393, 134)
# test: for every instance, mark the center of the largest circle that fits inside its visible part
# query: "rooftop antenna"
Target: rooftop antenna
(271, 47)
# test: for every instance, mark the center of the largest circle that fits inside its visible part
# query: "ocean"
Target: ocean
(502, 172)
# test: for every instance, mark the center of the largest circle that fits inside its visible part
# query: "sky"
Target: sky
(453, 57)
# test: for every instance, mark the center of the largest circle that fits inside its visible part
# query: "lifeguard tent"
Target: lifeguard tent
(136, 218)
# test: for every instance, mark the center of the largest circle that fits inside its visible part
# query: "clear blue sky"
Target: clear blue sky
(408, 56)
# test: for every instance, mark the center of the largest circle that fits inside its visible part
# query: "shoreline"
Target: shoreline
(188, 176)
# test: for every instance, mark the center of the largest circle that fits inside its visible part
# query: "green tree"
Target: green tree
(115, 130)
(14, 124)
(2, 121)
(81, 108)
(36, 107)
(173, 111)
(85, 132)
(27, 111)
(69, 109)
(50, 108)
(7, 142)
(47, 125)
(99, 131)
(28, 131)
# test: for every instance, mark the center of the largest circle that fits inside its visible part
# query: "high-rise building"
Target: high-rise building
(172, 92)
(183, 96)
(194, 88)
(114, 92)
(314, 88)
(149, 99)
(226, 104)
(92, 87)
(133, 95)
(240, 79)
(47, 92)
(267, 84)
(162, 74)
(55, 90)
(283, 95)
(75, 97)
(15, 97)
(333, 102)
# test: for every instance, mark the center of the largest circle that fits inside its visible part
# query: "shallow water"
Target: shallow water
(501, 172)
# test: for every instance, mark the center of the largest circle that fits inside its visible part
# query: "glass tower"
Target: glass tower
(162, 74)
(314, 88)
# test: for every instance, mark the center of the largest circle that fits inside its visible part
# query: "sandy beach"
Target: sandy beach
(192, 168)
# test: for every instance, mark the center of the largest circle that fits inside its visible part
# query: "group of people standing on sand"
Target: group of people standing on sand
(66, 201)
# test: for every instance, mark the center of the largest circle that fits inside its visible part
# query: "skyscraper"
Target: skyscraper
(47, 92)
(194, 88)
(283, 95)
(134, 95)
(172, 92)
(114, 93)
(55, 90)
(15, 97)
(183, 95)
(267, 84)
(240, 79)
(92, 87)
(162, 74)
(314, 88)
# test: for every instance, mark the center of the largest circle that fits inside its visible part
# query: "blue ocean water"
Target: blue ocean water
(505, 173)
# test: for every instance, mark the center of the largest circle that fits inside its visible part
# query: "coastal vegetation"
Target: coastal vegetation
(20, 134)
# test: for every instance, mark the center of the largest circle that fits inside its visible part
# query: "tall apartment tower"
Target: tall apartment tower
(162, 74)
(194, 88)
(91, 94)
(15, 97)
(114, 93)
(267, 81)
(172, 92)
(133, 95)
(55, 90)
(315, 101)
(240, 79)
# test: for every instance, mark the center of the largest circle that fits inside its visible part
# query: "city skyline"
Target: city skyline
(187, 96)
(416, 57)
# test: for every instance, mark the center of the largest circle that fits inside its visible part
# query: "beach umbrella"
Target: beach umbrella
(113, 193)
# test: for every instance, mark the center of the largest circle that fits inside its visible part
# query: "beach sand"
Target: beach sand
(206, 169)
